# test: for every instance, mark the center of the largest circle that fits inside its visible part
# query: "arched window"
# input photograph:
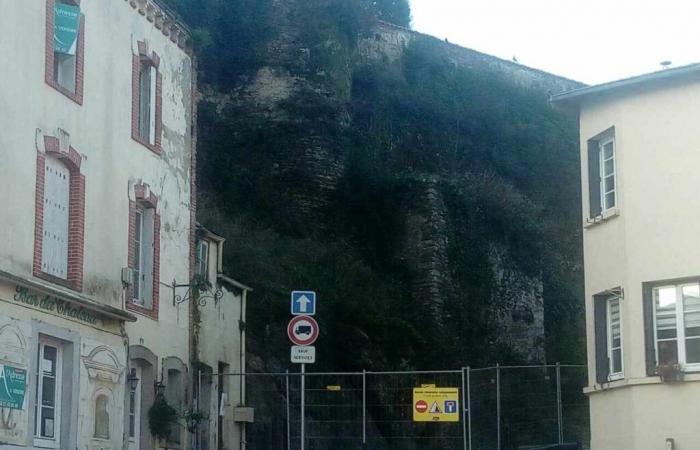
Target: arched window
(101, 417)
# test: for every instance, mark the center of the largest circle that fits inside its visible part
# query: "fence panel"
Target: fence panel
(512, 408)
(390, 406)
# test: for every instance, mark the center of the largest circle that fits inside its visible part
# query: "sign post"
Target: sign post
(303, 395)
(303, 332)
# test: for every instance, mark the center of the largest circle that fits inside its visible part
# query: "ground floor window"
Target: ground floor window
(48, 393)
(134, 407)
(677, 324)
(609, 361)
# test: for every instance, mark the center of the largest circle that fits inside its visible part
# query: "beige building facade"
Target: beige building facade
(639, 154)
(98, 154)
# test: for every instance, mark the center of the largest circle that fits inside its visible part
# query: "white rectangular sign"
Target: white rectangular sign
(303, 354)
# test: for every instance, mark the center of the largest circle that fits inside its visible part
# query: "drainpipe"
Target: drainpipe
(125, 340)
(241, 363)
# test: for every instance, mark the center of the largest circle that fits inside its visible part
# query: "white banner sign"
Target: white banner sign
(303, 354)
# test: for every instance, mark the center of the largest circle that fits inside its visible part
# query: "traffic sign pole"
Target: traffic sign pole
(303, 394)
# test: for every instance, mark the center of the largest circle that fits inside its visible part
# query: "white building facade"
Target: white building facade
(639, 154)
(220, 349)
(98, 153)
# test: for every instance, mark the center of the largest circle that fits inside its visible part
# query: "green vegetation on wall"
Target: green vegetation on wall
(373, 136)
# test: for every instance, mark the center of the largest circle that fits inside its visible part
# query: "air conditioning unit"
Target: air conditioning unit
(243, 414)
(127, 276)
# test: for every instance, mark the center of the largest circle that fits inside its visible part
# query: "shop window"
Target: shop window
(48, 394)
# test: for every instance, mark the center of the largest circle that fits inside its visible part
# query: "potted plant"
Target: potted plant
(161, 417)
(670, 373)
(193, 417)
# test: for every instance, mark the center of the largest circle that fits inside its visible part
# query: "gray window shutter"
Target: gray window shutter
(602, 364)
(649, 345)
(594, 179)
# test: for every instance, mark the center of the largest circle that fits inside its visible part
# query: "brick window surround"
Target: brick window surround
(144, 198)
(76, 96)
(148, 59)
(76, 214)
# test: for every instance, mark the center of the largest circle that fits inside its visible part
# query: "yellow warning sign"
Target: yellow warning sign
(435, 404)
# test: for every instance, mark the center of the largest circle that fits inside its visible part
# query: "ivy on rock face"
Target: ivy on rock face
(320, 189)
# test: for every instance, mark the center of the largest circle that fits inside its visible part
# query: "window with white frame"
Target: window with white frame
(203, 259)
(602, 173)
(147, 102)
(677, 324)
(614, 325)
(54, 244)
(607, 174)
(142, 292)
(48, 394)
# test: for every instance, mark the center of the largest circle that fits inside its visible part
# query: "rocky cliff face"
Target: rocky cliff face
(440, 215)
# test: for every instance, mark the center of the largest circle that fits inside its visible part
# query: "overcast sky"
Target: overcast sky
(587, 40)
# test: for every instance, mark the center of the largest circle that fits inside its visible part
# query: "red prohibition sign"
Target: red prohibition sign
(302, 330)
(421, 406)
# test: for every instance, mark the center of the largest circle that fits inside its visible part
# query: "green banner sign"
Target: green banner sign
(65, 28)
(13, 385)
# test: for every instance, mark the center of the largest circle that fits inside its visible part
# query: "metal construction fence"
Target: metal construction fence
(501, 408)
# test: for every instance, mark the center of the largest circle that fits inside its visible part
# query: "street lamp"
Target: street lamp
(133, 379)
(159, 387)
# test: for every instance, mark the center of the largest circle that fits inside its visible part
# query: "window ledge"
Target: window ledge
(689, 375)
(601, 218)
(141, 310)
(155, 148)
(76, 97)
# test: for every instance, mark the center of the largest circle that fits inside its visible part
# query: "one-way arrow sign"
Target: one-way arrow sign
(303, 303)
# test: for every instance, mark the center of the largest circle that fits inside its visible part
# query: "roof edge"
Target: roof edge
(661, 75)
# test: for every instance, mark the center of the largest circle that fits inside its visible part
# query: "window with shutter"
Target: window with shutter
(203, 259)
(602, 361)
(145, 105)
(602, 173)
(153, 76)
(138, 259)
(594, 179)
(147, 102)
(142, 260)
(54, 251)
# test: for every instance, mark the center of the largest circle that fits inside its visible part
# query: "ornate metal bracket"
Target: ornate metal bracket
(198, 291)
